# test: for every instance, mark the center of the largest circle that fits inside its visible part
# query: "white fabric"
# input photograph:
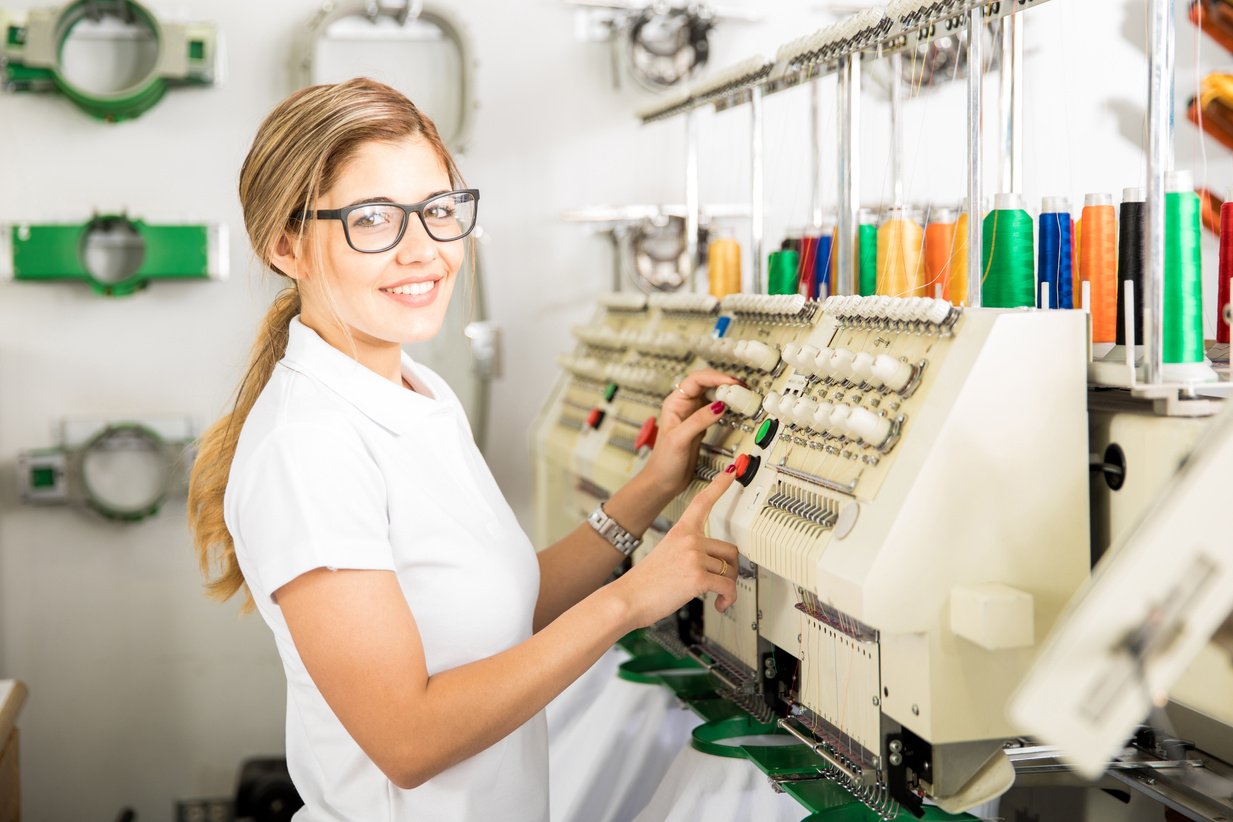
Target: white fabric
(607, 760)
(338, 467)
(699, 786)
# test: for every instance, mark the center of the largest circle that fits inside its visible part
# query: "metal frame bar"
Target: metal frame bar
(1159, 161)
(693, 208)
(756, 195)
(1010, 103)
(896, 128)
(976, 75)
(849, 173)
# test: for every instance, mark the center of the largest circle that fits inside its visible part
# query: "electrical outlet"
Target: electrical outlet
(205, 810)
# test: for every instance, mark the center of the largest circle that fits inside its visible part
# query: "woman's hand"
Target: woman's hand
(685, 564)
(683, 420)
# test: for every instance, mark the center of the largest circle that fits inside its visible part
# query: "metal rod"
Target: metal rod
(817, 748)
(755, 186)
(815, 155)
(896, 127)
(1159, 161)
(693, 216)
(1010, 104)
(849, 172)
(976, 73)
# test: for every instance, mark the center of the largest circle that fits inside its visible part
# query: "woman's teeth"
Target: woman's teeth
(412, 288)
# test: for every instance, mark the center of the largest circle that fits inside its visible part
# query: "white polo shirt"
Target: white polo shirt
(338, 467)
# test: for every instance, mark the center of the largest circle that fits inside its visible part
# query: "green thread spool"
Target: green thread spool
(867, 249)
(782, 273)
(1183, 289)
(1008, 262)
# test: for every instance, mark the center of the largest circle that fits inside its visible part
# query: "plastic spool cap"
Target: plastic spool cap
(1055, 205)
(822, 363)
(867, 215)
(939, 311)
(1134, 195)
(1008, 201)
(790, 354)
(1098, 200)
(869, 427)
(743, 401)
(1179, 181)
(808, 354)
(893, 371)
(841, 363)
(758, 354)
(839, 418)
(770, 403)
(803, 411)
(943, 216)
(895, 213)
(783, 409)
(822, 417)
(862, 366)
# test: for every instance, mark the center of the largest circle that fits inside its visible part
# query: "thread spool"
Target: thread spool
(900, 266)
(1008, 276)
(1098, 264)
(867, 252)
(824, 266)
(723, 263)
(1054, 269)
(782, 269)
(1076, 227)
(1131, 264)
(939, 236)
(957, 283)
(1224, 271)
(1183, 297)
(806, 274)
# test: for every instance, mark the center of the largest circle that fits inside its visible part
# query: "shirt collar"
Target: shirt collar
(390, 406)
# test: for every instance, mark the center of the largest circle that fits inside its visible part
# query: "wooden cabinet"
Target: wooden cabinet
(12, 695)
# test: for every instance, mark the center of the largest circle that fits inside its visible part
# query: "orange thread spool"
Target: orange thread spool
(723, 262)
(1098, 264)
(939, 237)
(956, 290)
(900, 264)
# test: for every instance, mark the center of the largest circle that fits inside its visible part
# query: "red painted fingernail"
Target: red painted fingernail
(717, 407)
(730, 469)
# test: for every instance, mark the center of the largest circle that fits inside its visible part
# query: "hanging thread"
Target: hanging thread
(1131, 264)
(867, 253)
(1008, 277)
(723, 263)
(1225, 271)
(939, 236)
(782, 269)
(1098, 264)
(1076, 226)
(1055, 261)
(956, 290)
(900, 267)
(1183, 297)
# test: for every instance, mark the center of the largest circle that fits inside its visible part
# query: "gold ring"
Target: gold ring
(723, 569)
(681, 391)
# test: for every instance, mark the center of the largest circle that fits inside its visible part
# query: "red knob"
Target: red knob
(646, 434)
(595, 418)
(746, 467)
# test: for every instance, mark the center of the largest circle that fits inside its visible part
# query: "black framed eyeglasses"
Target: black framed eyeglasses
(379, 226)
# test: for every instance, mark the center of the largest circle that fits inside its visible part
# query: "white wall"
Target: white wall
(141, 690)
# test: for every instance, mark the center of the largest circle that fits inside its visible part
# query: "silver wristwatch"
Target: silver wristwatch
(607, 527)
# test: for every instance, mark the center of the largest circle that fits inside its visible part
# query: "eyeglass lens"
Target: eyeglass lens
(376, 227)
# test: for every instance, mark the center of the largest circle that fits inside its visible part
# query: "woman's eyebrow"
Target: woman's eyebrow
(389, 200)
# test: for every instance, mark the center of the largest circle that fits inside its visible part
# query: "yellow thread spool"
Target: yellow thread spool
(900, 262)
(723, 262)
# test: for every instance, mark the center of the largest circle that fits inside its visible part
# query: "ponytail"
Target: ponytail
(216, 449)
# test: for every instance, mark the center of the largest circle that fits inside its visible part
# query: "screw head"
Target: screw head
(896, 759)
(916, 710)
(896, 745)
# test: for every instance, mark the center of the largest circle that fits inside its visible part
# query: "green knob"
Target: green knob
(766, 433)
(610, 392)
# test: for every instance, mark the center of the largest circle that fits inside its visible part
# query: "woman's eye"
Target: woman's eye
(440, 211)
(369, 219)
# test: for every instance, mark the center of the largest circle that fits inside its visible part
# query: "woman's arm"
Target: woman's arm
(359, 641)
(578, 564)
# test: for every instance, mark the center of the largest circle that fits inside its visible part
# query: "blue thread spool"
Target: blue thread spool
(1054, 267)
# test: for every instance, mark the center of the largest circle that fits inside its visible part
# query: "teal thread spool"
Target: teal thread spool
(867, 250)
(1008, 263)
(783, 276)
(1183, 289)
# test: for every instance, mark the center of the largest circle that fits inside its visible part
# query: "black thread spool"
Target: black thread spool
(1130, 262)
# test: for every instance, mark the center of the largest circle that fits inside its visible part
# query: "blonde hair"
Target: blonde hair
(296, 157)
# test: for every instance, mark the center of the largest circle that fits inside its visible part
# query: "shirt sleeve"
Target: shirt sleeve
(311, 496)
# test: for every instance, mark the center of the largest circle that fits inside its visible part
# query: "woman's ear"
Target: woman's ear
(287, 257)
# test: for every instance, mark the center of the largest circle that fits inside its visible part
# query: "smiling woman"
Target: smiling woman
(420, 633)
